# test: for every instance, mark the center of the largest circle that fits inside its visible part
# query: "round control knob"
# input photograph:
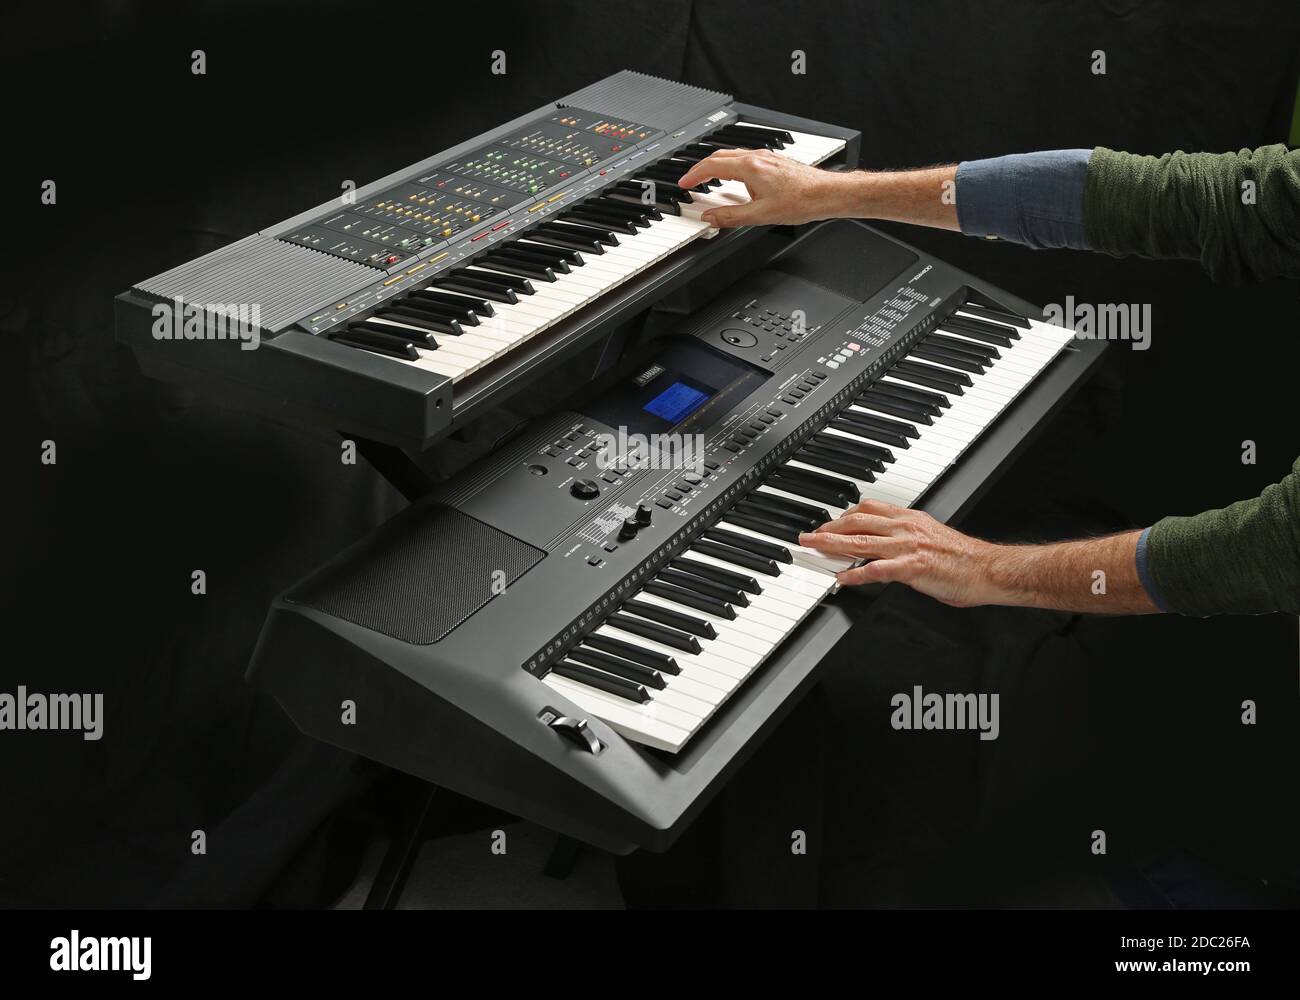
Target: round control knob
(628, 531)
(643, 513)
(585, 489)
(739, 338)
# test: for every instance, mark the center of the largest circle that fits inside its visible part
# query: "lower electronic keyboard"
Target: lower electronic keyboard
(592, 625)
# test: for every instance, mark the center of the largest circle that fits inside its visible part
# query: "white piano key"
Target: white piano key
(654, 725)
(808, 558)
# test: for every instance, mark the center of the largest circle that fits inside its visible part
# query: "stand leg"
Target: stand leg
(400, 856)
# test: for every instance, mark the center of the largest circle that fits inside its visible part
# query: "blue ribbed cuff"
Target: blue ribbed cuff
(1144, 574)
(1030, 198)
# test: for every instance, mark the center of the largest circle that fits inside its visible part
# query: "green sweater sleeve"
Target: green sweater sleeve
(1199, 206)
(1243, 559)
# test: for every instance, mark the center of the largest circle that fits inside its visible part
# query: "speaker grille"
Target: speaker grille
(418, 582)
(650, 100)
(847, 258)
(285, 281)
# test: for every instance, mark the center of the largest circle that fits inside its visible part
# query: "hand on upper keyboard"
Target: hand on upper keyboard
(782, 191)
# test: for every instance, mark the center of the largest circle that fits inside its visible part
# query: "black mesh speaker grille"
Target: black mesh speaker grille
(418, 578)
(847, 258)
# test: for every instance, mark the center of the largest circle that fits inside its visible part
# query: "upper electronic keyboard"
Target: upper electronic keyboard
(386, 313)
(562, 588)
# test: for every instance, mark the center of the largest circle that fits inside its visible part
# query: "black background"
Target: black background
(155, 165)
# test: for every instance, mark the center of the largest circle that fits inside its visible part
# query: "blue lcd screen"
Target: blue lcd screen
(676, 403)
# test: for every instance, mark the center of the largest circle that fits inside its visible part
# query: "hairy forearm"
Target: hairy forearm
(924, 197)
(1097, 575)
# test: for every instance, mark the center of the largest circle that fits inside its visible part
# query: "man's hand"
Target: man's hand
(911, 547)
(783, 192)
(1093, 575)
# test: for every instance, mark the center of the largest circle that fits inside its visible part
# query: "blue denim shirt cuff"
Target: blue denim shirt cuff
(1030, 198)
(1144, 574)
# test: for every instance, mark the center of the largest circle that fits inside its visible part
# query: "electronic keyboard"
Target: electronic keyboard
(404, 309)
(593, 625)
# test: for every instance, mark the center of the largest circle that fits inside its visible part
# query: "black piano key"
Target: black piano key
(631, 651)
(672, 177)
(909, 373)
(615, 213)
(513, 251)
(647, 212)
(735, 556)
(520, 268)
(691, 599)
(873, 452)
(472, 286)
(955, 324)
(893, 406)
(674, 619)
(709, 588)
(463, 314)
(707, 571)
(701, 149)
(792, 507)
(844, 451)
(739, 540)
(594, 218)
(835, 463)
(592, 230)
(736, 141)
(903, 396)
(479, 305)
(561, 254)
(564, 239)
(424, 321)
(420, 338)
(665, 206)
(912, 392)
(889, 424)
(750, 507)
(638, 189)
(611, 664)
(779, 133)
(768, 526)
(994, 315)
(938, 354)
(619, 686)
(654, 630)
(390, 346)
(814, 486)
(985, 351)
(954, 379)
(521, 286)
(872, 431)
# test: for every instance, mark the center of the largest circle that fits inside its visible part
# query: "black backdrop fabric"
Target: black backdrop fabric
(154, 166)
